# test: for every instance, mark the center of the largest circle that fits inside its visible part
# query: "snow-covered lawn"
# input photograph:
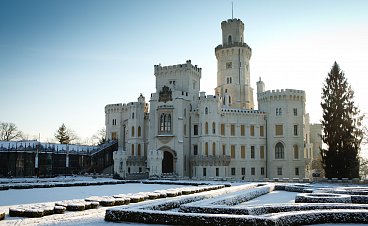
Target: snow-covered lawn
(241, 203)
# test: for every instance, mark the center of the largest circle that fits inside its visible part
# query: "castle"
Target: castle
(187, 133)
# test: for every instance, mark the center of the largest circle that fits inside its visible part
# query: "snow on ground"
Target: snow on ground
(38, 195)
(272, 198)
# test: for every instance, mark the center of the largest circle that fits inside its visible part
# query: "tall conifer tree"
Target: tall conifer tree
(342, 130)
(62, 135)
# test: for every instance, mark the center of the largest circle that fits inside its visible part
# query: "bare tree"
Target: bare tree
(100, 136)
(9, 131)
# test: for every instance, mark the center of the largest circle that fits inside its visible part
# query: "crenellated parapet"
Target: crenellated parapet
(282, 95)
(118, 108)
(162, 70)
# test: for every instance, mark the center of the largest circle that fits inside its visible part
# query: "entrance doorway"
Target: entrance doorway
(168, 162)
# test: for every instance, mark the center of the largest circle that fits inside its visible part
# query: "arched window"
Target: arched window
(139, 149)
(213, 127)
(139, 131)
(296, 151)
(229, 39)
(132, 131)
(168, 122)
(279, 151)
(206, 128)
(206, 149)
(206, 110)
(132, 149)
(133, 115)
(165, 122)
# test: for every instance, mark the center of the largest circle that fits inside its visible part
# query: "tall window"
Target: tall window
(229, 39)
(217, 172)
(279, 151)
(262, 171)
(252, 130)
(206, 110)
(213, 128)
(139, 150)
(261, 131)
(139, 131)
(114, 136)
(132, 149)
(223, 129)
(242, 152)
(295, 130)
(242, 130)
(132, 131)
(224, 149)
(206, 149)
(206, 128)
(195, 149)
(232, 148)
(165, 122)
(214, 149)
(296, 171)
(261, 152)
(295, 110)
(232, 130)
(252, 152)
(204, 172)
(243, 171)
(296, 151)
(195, 130)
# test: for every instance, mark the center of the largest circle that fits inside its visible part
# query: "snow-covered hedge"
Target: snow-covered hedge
(322, 198)
(31, 210)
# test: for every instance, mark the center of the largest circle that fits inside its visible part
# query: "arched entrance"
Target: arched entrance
(168, 162)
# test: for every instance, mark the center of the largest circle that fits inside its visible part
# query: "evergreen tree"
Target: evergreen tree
(342, 130)
(62, 135)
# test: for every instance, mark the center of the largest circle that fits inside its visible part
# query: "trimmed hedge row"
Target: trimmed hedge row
(35, 210)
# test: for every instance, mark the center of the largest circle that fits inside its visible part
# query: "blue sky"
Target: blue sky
(63, 61)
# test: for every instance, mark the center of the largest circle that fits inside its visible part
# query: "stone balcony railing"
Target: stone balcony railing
(210, 160)
(136, 160)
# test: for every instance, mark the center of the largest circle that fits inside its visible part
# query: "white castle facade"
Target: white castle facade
(185, 132)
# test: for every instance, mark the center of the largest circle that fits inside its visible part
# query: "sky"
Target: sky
(62, 61)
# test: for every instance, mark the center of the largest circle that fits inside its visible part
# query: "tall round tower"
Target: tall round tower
(233, 76)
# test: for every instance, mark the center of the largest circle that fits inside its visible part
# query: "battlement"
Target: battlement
(282, 94)
(234, 20)
(204, 97)
(187, 65)
(115, 108)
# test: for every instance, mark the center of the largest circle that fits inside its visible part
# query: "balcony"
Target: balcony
(210, 160)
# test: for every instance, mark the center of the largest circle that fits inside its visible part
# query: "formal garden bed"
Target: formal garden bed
(228, 206)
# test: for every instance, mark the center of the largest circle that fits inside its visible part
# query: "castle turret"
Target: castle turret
(233, 76)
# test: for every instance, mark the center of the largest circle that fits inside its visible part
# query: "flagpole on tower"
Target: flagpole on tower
(232, 10)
